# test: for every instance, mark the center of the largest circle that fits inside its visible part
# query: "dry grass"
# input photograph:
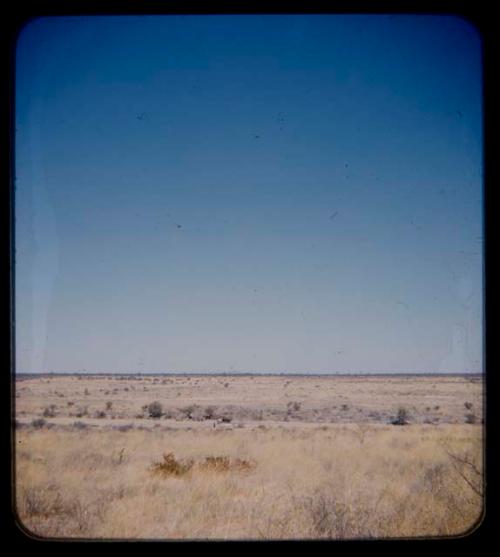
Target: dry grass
(301, 482)
(212, 457)
(182, 399)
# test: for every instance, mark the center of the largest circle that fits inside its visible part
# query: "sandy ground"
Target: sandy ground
(204, 401)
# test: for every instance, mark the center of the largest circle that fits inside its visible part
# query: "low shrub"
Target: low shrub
(82, 411)
(155, 409)
(226, 464)
(401, 417)
(170, 466)
(192, 412)
(470, 419)
(124, 427)
(49, 411)
(210, 413)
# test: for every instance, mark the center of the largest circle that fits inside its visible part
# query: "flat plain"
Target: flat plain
(248, 457)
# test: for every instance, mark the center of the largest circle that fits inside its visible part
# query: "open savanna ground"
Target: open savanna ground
(260, 458)
(247, 400)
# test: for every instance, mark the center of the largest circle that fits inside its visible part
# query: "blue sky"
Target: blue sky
(249, 193)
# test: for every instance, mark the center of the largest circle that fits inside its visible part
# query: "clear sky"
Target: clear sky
(249, 193)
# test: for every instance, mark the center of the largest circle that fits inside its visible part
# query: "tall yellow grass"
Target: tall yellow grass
(338, 481)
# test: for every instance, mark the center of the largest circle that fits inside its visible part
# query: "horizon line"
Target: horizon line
(247, 373)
